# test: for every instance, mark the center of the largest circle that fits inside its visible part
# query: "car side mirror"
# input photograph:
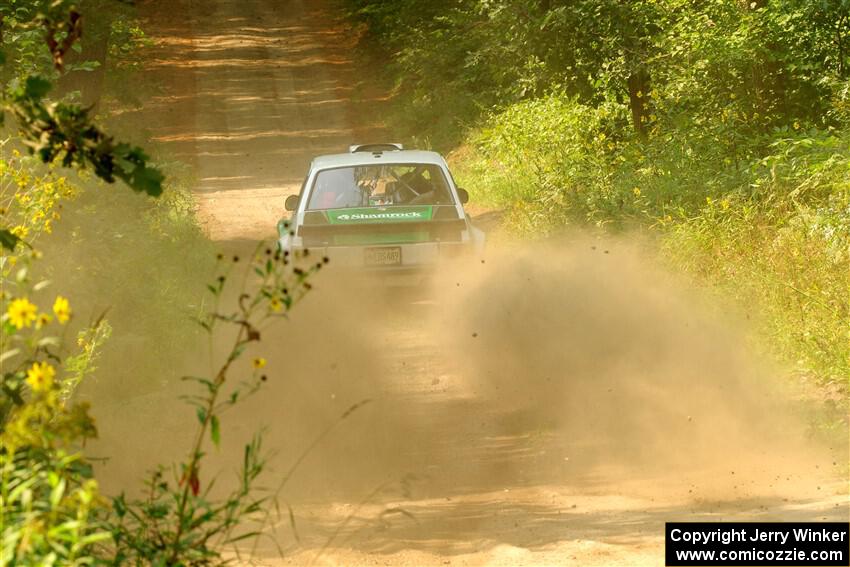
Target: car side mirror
(291, 203)
(462, 195)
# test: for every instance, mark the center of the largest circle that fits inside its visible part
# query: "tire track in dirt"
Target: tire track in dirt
(252, 90)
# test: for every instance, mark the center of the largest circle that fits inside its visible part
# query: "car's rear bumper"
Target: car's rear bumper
(411, 260)
(397, 257)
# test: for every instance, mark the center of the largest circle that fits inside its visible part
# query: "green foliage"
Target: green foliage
(59, 131)
(48, 497)
(772, 232)
(22, 37)
(673, 63)
(145, 261)
(90, 341)
(782, 243)
(720, 126)
(64, 132)
(48, 512)
(50, 508)
(8, 239)
(133, 249)
(127, 45)
(178, 522)
(51, 511)
(546, 159)
(30, 200)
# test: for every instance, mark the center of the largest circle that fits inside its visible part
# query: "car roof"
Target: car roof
(369, 158)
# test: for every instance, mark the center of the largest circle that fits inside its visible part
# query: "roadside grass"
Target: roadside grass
(771, 234)
(142, 264)
(722, 130)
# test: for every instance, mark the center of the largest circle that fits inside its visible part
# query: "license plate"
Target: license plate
(384, 256)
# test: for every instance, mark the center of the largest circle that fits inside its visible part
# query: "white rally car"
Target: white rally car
(381, 207)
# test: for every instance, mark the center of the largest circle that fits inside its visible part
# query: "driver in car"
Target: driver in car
(416, 189)
(337, 188)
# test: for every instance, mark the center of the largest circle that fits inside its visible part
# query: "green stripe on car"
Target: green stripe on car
(380, 215)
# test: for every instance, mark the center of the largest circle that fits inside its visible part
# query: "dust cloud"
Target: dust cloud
(623, 369)
(577, 363)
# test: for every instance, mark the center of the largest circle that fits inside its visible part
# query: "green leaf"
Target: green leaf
(119, 504)
(215, 431)
(244, 536)
(147, 180)
(202, 415)
(8, 240)
(57, 493)
(36, 87)
(94, 538)
(237, 352)
(200, 380)
(84, 66)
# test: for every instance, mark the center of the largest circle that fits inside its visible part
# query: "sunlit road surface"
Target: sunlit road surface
(252, 90)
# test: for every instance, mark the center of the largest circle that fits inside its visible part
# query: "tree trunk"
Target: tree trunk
(95, 47)
(839, 45)
(638, 83)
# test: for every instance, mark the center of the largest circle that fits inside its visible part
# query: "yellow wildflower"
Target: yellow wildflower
(62, 309)
(40, 376)
(21, 313)
(275, 304)
(20, 231)
(636, 191)
(43, 320)
(259, 362)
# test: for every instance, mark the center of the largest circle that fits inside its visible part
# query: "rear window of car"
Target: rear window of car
(382, 185)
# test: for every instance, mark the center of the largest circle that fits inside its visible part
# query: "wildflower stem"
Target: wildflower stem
(191, 471)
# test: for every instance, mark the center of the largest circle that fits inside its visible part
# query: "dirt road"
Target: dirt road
(251, 91)
(559, 417)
